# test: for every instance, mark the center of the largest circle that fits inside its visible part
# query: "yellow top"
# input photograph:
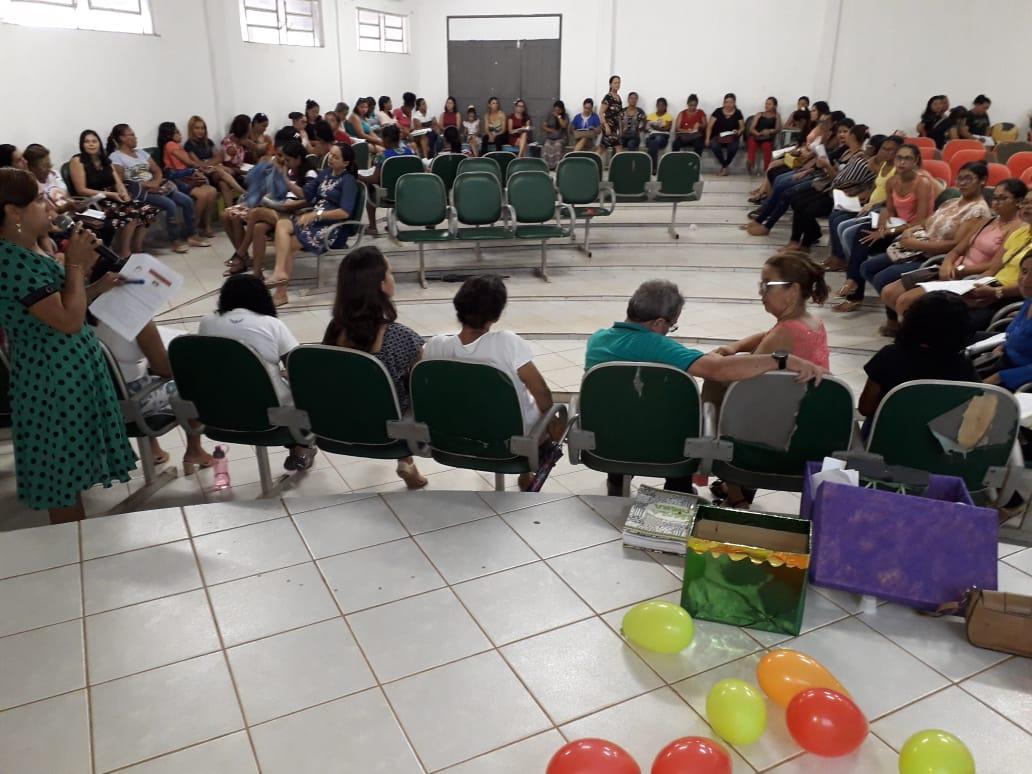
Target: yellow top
(1016, 247)
(664, 120)
(878, 194)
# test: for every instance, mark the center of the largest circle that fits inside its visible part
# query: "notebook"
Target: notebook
(660, 520)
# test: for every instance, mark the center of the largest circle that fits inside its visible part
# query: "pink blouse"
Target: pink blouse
(808, 344)
(982, 249)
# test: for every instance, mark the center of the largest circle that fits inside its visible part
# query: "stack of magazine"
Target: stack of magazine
(660, 520)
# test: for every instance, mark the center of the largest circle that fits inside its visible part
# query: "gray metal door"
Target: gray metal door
(539, 79)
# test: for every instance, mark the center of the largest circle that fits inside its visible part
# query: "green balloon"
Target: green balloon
(659, 626)
(736, 711)
(935, 752)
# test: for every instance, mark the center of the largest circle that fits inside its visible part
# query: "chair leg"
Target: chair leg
(264, 471)
(586, 247)
(543, 271)
(672, 228)
(499, 482)
(153, 481)
(422, 270)
(146, 459)
(476, 250)
(625, 486)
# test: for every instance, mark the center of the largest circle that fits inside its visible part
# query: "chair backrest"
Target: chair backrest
(420, 199)
(477, 197)
(577, 180)
(446, 167)
(226, 381)
(503, 158)
(629, 171)
(778, 425)
(66, 175)
(392, 170)
(787, 137)
(481, 164)
(528, 164)
(594, 157)
(325, 378)
(905, 426)
(121, 390)
(1006, 151)
(1019, 161)
(640, 413)
(1004, 131)
(940, 170)
(945, 195)
(928, 153)
(962, 157)
(678, 172)
(921, 142)
(954, 146)
(997, 174)
(361, 150)
(471, 409)
(5, 391)
(532, 196)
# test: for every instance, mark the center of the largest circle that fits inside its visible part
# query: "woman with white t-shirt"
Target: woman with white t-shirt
(479, 305)
(246, 314)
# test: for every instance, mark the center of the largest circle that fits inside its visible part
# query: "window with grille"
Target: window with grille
(104, 15)
(283, 22)
(378, 31)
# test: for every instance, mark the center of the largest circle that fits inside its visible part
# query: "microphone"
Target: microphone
(109, 260)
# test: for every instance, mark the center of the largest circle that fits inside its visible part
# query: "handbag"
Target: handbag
(897, 253)
(996, 620)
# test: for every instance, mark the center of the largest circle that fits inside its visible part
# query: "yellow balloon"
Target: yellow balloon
(659, 626)
(783, 673)
(736, 711)
(935, 752)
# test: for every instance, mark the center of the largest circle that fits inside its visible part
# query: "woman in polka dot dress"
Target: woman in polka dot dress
(68, 428)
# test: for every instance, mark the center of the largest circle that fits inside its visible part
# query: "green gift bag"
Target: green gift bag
(747, 569)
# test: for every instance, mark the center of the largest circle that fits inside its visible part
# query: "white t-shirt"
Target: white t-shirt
(502, 349)
(268, 336)
(136, 168)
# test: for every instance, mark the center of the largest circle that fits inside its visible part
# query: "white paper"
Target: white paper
(246, 167)
(127, 308)
(819, 150)
(419, 132)
(167, 333)
(834, 470)
(845, 202)
(1025, 406)
(960, 287)
(780, 152)
(728, 133)
(893, 222)
(93, 214)
(366, 172)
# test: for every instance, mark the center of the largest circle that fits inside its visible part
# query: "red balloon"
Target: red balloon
(692, 755)
(592, 756)
(825, 722)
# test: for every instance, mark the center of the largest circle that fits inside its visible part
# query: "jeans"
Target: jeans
(696, 143)
(630, 142)
(654, 143)
(724, 152)
(858, 257)
(784, 188)
(880, 271)
(175, 200)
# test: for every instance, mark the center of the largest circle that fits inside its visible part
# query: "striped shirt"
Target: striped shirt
(854, 174)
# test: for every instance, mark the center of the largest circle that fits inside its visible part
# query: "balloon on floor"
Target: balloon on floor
(695, 754)
(825, 722)
(736, 711)
(659, 626)
(783, 673)
(592, 756)
(935, 752)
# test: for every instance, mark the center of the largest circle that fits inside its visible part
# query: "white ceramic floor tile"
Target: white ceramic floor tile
(1006, 549)
(340, 528)
(470, 550)
(506, 502)
(1022, 560)
(237, 553)
(229, 754)
(400, 570)
(41, 663)
(303, 504)
(819, 611)
(162, 710)
(150, 634)
(129, 531)
(298, 669)
(359, 729)
(611, 576)
(270, 603)
(612, 509)
(996, 744)
(872, 756)
(47, 737)
(217, 516)
(139, 576)
(579, 669)
(530, 755)
(39, 548)
(520, 602)
(450, 717)
(645, 725)
(417, 633)
(444, 509)
(560, 527)
(1007, 688)
(40, 599)
(1013, 581)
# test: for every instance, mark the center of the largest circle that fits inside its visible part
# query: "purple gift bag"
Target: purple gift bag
(916, 550)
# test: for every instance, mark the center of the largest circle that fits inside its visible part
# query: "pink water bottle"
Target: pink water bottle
(221, 467)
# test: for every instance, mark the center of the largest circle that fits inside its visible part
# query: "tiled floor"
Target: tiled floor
(467, 632)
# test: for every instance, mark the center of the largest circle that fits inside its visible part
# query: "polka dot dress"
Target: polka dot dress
(68, 428)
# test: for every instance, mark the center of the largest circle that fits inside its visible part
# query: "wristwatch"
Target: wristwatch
(782, 359)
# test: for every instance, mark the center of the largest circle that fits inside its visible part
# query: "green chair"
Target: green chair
(142, 429)
(630, 172)
(482, 164)
(356, 223)
(322, 377)
(224, 385)
(579, 185)
(776, 425)
(477, 207)
(531, 196)
(468, 415)
(592, 156)
(503, 158)
(361, 149)
(66, 176)
(677, 180)
(528, 164)
(945, 195)
(390, 172)
(422, 203)
(153, 153)
(786, 138)
(446, 167)
(643, 419)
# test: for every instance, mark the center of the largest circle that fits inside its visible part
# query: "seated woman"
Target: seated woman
(453, 143)
(690, 127)
(632, 124)
(37, 160)
(92, 173)
(471, 130)
(788, 281)
(312, 115)
(246, 314)
(139, 168)
(364, 318)
(762, 132)
(799, 120)
(333, 194)
(1013, 368)
(385, 115)
(234, 152)
(586, 126)
(557, 127)
(10, 156)
(339, 135)
(658, 125)
(724, 132)
(519, 127)
(206, 157)
(479, 305)
(421, 119)
(802, 106)
(360, 127)
(449, 117)
(257, 144)
(935, 111)
(494, 127)
(178, 167)
(393, 147)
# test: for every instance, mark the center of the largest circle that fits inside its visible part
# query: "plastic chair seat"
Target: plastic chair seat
(424, 235)
(539, 231)
(274, 436)
(591, 211)
(481, 233)
(158, 424)
(394, 450)
(682, 469)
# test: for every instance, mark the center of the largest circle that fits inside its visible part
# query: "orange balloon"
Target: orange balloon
(783, 673)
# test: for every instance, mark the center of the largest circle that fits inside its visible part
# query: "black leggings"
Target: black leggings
(807, 206)
(500, 141)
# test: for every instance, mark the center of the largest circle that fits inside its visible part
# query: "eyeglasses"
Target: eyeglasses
(766, 285)
(904, 157)
(673, 325)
